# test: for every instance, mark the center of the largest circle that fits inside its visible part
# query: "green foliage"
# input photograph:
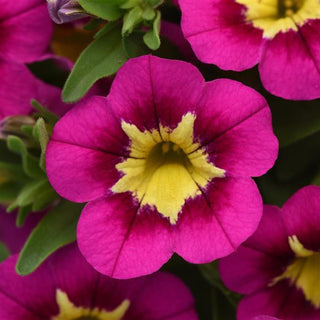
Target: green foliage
(4, 251)
(152, 37)
(106, 9)
(102, 58)
(56, 229)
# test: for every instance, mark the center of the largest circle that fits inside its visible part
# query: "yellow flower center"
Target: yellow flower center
(274, 16)
(166, 167)
(68, 311)
(304, 272)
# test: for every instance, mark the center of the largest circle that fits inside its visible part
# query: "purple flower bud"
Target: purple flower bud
(62, 11)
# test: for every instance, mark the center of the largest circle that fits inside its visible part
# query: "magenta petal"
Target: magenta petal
(16, 93)
(236, 128)
(156, 90)
(153, 297)
(288, 68)
(78, 173)
(13, 237)
(213, 226)
(218, 33)
(73, 275)
(261, 258)
(301, 215)
(36, 291)
(265, 318)
(91, 124)
(281, 301)
(120, 241)
(20, 37)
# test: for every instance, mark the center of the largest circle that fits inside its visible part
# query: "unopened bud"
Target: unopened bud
(12, 126)
(63, 11)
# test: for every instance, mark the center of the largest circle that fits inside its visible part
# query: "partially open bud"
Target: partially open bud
(63, 11)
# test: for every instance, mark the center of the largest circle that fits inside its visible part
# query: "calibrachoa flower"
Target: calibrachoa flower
(66, 287)
(165, 163)
(280, 35)
(265, 318)
(25, 29)
(278, 268)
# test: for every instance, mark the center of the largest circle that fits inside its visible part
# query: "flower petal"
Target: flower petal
(260, 259)
(17, 92)
(218, 33)
(288, 68)
(157, 90)
(301, 216)
(281, 301)
(80, 174)
(234, 121)
(122, 241)
(20, 37)
(214, 225)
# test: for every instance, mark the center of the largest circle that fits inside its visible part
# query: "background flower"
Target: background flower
(67, 279)
(237, 35)
(277, 268)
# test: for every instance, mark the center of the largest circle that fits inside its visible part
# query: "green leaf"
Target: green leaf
(56, 229)
(44, 113)
(4, 251)
(29, 193)
(41, 134)
(22, 214)
(93, 24)
(30, 163)
(152, 38)
(8, 192)
(102, 58)
(131, 20)
(211, 273)
(134, 45)
(105, 9)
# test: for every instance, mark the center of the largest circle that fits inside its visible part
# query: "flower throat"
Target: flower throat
(287, 8)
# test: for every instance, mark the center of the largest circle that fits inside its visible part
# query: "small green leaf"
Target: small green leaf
(8, 192)
(148, 14)
(44, 113)
(22, 214)
(93, 24)
(30, 163)
(56, 229)
(131, 20)
(4, 251)
(29, 193)
(152, 38)
(102, 58)
(41, 134)
(105, 9)
(44, 198)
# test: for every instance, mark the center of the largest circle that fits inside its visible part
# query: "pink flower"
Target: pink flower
(280, 36)
(66, 287)
(165, 162)
(25, 29)
(278, 267)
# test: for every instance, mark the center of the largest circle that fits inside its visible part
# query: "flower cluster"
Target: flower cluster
(116, 133)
